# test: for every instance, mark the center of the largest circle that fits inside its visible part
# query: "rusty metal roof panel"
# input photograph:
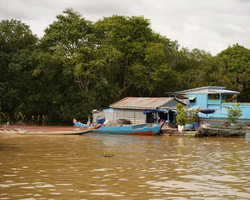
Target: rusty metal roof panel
(141, 102)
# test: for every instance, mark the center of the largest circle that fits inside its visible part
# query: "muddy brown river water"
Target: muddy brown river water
(143, 167)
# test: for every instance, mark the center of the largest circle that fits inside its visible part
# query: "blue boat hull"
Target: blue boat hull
(129, 130)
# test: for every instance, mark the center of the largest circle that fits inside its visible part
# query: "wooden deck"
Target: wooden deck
(170, 131)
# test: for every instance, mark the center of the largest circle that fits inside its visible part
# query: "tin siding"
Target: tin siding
(118, 113)
(129, 113)
(140, 118)
(172, 103)
(134, 115)
(108, 116)
(95, 115)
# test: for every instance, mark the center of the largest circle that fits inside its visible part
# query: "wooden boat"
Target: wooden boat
(225, 131)
(142, 129)
(47, 130)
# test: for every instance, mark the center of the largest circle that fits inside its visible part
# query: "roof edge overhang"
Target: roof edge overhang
(134, 107)
(224, 92)
(200, 88)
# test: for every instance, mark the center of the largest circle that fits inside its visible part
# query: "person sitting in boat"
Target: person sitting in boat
(79, 124)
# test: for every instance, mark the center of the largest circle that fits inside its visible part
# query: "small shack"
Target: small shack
(139, 110)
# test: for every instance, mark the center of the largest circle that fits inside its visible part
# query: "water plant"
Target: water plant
(106, 154)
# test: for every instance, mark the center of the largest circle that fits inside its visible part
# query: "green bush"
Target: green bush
(233, 113)
(191, 116)
(181, 115)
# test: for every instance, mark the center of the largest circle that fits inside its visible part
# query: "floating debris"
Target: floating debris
(106, 154)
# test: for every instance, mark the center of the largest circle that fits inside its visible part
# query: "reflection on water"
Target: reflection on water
(70, 167)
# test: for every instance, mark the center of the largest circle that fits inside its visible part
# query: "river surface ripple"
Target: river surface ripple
(143, 167)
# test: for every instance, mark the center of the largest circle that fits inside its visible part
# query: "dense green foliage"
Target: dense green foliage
(79, 65)
(181, 117)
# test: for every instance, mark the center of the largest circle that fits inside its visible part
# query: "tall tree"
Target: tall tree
(138, 69)
(235, 68)
(197, 73)
(84, 63)
(16, 49)
(69, 38)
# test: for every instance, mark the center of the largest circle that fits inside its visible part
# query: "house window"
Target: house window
(192, 100)
(213, 96)
(231, 98)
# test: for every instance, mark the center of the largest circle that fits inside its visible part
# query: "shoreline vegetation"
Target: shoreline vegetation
(80, 65)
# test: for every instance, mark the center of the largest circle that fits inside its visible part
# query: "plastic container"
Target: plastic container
(100, 120)
(195, 125)
(188, 126)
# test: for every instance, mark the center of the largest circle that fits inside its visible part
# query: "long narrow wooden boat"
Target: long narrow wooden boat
(142, 129)
(47, 130)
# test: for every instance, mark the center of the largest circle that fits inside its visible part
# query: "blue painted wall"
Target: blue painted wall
(221, 112)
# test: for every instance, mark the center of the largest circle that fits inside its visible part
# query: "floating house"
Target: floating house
(210, 102)
(139, 110)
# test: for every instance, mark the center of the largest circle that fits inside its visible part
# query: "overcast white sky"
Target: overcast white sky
(211, 25)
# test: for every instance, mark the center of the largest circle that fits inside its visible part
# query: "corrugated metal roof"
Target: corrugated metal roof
(208, 90)
(223, 92)
(141, 102)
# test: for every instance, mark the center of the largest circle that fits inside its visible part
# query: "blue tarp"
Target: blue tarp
(207, 111)
(152, 111)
